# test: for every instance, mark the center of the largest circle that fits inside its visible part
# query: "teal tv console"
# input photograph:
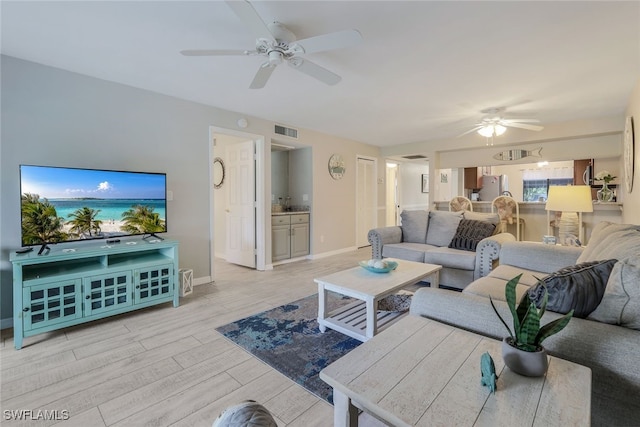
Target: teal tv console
(91, 280)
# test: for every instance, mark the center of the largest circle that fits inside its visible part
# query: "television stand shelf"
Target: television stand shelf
(69, 286)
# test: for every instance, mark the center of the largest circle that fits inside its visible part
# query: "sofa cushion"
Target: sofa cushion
(408, 251)
(414, 226)
(508, 272)
(612, 241)
(442, 227)
(578, 287)
(620, 303)
(493, 287)
(452, 258)
(469, 233)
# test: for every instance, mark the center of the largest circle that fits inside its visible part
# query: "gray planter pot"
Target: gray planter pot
(528, 363)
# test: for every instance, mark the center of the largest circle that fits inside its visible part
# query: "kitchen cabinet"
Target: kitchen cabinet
(471, 180)
(289, 236)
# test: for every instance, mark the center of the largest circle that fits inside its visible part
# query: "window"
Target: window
(536, 190)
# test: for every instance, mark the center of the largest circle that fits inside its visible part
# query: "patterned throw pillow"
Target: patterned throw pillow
(469, 234)
(579, 287)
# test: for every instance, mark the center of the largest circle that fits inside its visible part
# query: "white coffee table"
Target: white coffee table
(420, 372)
(361, 319)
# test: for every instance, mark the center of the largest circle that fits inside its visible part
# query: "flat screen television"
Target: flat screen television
(60, 204)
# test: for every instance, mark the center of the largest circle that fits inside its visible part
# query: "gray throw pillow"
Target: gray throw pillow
(621, 301)
(442, 227)
(414, 226)
(579, 287)
(609, 240)
(469, 234)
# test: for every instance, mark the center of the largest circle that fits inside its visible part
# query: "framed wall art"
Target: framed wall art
(425, 182)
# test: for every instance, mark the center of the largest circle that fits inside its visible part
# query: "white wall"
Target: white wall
(410, 178)
(54, 117)
(631, 211)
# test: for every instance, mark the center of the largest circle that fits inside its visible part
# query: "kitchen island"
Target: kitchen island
(535, 217)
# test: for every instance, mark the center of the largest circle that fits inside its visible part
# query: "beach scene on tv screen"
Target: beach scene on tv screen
(62, 204)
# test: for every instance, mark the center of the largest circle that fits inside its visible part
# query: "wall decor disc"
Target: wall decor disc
(336, 166)
(218, 173)
(629, 154)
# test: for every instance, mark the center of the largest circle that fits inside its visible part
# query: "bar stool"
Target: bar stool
(460, 203)
(507, 208)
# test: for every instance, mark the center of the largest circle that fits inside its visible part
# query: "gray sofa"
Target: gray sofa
(607, 340)
(427, 236)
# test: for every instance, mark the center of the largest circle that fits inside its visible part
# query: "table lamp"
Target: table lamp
(571, 200)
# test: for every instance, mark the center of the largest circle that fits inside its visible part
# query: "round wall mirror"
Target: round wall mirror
(218, 172)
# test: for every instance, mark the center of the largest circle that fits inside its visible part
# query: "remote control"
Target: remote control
(24, 250)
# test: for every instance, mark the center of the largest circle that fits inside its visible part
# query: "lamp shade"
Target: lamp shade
(569, 198)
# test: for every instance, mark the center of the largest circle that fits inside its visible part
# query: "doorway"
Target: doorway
(251, 224)
(391, 191)
(366, 198)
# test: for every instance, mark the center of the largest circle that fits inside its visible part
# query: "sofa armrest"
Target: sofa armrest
(378, 237)
(538, 256)
(488, 251)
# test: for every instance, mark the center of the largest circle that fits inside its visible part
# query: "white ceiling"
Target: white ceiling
(424, 70)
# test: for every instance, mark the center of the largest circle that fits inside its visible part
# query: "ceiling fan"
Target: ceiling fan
(495, 124)
(277, 44)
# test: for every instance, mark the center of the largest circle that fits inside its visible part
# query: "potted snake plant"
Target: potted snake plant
(522, 350)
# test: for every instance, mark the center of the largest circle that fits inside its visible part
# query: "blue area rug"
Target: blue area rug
(287, 338)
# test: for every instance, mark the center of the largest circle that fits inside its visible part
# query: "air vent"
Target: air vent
(290, 132)
(414, 157)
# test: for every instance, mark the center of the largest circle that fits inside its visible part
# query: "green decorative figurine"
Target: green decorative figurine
(488, 370)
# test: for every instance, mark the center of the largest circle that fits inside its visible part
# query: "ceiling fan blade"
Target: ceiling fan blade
(524, 126)
(262, 76)
(315, 71)
(213, 52)
(337, 40)
(470, 131)
(248, 15)
(520, 121)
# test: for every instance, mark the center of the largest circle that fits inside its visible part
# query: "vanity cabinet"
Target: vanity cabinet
(289, 236)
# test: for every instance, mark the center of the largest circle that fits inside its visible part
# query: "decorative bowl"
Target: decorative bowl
(391, 265)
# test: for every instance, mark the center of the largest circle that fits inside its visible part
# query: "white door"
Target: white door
(366, 200)
(392, 194)
(241, 211)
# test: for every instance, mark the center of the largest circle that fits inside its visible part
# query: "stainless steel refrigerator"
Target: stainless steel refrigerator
(493, 186)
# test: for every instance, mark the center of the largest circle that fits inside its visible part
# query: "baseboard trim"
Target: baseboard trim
(331, 253)
(202, 280)
(6, 323)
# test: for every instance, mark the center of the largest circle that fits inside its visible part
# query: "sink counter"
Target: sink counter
(289, 213)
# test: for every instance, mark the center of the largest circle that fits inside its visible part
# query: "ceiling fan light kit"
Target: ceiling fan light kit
(278, 44)
(492, 130)
(494, 124)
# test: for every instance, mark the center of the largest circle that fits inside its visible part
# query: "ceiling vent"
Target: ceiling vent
(414, 157)
(290, 132)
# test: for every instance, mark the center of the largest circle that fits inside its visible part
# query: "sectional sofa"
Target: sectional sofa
(464, 243)
(606, 338)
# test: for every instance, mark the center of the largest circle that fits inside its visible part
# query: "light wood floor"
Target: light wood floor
(167, 366)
